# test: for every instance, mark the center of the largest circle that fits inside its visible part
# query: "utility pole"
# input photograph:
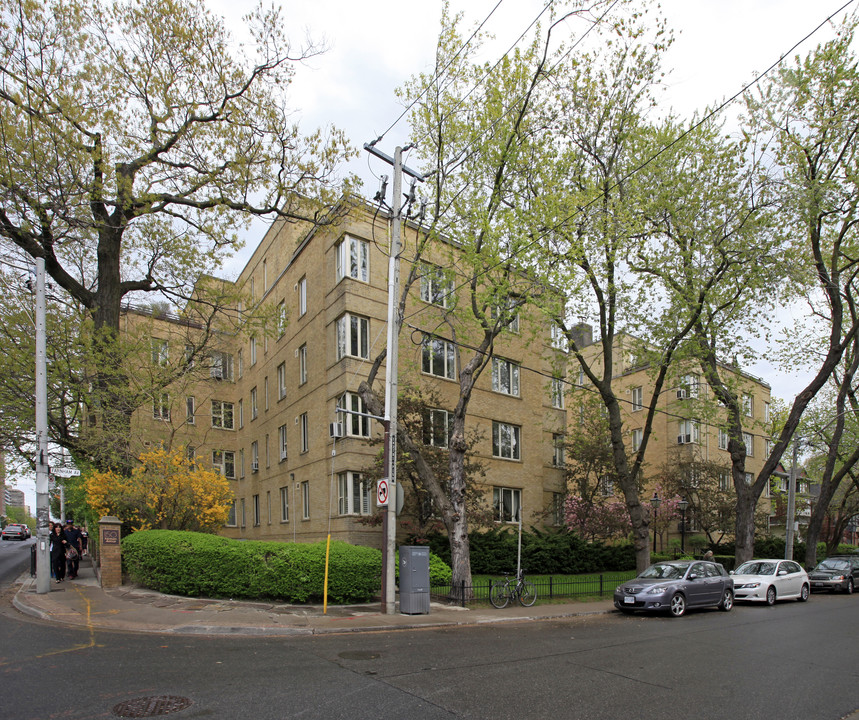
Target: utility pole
(391, 372)
(43, 572)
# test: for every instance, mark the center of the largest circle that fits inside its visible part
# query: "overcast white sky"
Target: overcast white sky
(374, 47)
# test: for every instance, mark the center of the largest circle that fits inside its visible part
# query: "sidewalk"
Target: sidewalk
(82, 602)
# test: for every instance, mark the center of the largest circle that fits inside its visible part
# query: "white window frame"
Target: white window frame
(254, 456)
(255, 509)
(352, 259)
(284, 504)
(505, 376)
(507, 504)
(637, 438)
(220, 365)
(689, 431)
(724, 439)
(224, 461)
(231, 515)
(160, 352)
(223, 416)
(749, 442)
(354, 494)
(438, 357)
(282, 443)
(354, 425)
(254, 403)
(305, 432)
(438, 425)
(280, 318)
(161, 407)
(302, 364)
(606, 486)
(558, 339)
(748, 405)
(558, 395)
(302, 296)
(690, 384)
(253, 348)
(305, 500)
(353, 336)
(637, 398)
(506, 440)
(559, 459)
(281, 381)
(436, 286)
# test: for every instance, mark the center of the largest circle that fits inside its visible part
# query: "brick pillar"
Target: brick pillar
(110, 551)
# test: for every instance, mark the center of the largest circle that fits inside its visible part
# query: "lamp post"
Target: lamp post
(655, 501)
(683, 504)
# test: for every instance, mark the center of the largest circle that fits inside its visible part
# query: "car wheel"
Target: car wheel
(678, 605)
(804, 593)
(849, 589)
(770, 595)
(727, 600)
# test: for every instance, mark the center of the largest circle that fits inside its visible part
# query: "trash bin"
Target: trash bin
(414, 580)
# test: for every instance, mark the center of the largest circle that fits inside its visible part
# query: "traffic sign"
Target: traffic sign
(382, 493)
(65, 472)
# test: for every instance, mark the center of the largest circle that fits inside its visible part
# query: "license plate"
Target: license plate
(629, 600)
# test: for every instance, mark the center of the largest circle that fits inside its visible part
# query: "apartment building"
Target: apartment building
(262, 408)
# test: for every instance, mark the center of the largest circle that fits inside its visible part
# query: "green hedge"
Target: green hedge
(543, 553)
(198, 564)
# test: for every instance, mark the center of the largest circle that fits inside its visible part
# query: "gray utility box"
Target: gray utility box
(414, 580)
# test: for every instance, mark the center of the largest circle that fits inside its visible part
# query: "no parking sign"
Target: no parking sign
(382, 492)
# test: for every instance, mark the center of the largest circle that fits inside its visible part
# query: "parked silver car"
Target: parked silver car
(770, 580)
(675, 586)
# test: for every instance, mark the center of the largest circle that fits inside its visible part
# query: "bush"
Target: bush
(543, 553)
(198, 564)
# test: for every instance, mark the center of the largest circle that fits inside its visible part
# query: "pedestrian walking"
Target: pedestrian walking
(73, 539)
(58, 553)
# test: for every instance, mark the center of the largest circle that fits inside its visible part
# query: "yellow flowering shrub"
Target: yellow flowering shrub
(166, 490)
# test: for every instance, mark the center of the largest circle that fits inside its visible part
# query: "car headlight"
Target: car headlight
(656, 590)
(747, 586)
(838, 578)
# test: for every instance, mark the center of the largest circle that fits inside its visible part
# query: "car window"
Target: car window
(698, 569)
(712, 570)
(664, 571)
(833, 565)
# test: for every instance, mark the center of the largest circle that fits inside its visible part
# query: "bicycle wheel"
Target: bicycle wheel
(527, 593)
(499, 595)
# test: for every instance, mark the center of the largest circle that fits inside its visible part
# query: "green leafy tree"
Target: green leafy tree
(138, 142)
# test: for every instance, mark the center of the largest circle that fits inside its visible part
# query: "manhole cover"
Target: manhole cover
(359, 655)
(151, 706)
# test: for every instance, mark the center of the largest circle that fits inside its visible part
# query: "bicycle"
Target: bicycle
(502, 592)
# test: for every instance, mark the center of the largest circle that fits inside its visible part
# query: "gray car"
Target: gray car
(675, 586)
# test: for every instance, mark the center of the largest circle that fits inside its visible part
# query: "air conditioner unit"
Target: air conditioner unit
(682, 394)
(335, 430)
(254, 467)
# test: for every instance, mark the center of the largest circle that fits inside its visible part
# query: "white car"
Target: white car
(770, 580)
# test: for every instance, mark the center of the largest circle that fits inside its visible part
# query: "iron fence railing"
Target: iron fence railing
(601, 585)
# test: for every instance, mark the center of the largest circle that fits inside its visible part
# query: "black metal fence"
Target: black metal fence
(601, 585)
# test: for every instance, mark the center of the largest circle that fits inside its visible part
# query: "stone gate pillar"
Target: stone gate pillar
(110, 551)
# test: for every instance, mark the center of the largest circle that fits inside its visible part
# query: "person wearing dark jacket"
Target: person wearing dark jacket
(58, 553)
(73, 538)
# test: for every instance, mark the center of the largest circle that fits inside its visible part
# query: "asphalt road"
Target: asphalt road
(790, 661)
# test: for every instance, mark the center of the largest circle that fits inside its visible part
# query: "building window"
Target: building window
(254, 456)
(507, 502)
(688, 387)
(302, 296)
(264, 275)
(265, 392)
(637, 437)
(254, 404)
(436, 286)
(637, 398)
(255, 503)
(558, 459)
(220, 365)
(353, 496)
(748, 405)
(242, 464)
(766, 412)
(267, 454)
(224, 462)
(558, 339)
(241, 414)
(160, 354)
(557, 392)
(353, 334)
(557, 509)
(505, 440)
(231, 515)
(353, 259)
(222, 415)
(305, 500)
(281, 381)
(302, 365)
(606, 486)
(688, 432)
(508, 313)
(724, 438)
(749, 441)
(253, 342)
(281, 442)
(190, 410)
(305, 434)
(438, 357)
(161, 406)
(280, 318)
(505, 377)
(355, 425)
(437, 428)
(284, 504)
(724, 480)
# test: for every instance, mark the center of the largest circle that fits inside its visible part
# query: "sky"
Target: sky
(374, 47)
